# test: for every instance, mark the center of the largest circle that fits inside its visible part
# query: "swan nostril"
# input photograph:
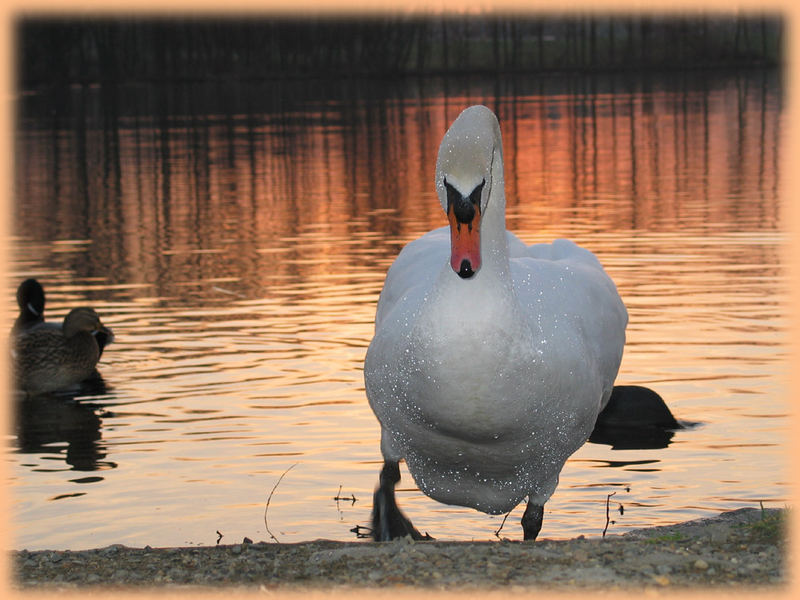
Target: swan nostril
(465, 271)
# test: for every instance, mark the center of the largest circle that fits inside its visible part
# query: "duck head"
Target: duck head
(30, 298)
(469, 176)
(81, 319)
(86, 319)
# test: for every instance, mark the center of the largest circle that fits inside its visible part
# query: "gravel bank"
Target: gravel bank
(745, 547)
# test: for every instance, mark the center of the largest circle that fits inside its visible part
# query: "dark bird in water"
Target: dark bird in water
(49, 359)
(635, 418)
(31, 299)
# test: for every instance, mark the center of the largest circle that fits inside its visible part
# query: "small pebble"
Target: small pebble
(661, 580)
(700, 564)
(581, 555)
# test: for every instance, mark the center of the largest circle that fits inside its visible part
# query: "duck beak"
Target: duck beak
(105, 334)
(465, 242)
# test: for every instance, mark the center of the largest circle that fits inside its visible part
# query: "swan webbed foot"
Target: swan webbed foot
(532, 521)
(388, 521)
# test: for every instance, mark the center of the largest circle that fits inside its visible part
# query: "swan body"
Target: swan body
(491, 359)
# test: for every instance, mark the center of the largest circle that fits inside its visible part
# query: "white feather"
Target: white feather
(486, 385)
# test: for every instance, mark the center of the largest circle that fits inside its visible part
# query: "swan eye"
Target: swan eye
(475, 196)
(453, 195)
(464, 207)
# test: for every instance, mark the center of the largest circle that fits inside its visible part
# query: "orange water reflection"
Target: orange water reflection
(235, 236)
(192, 197)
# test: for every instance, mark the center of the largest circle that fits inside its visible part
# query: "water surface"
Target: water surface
(235, 236)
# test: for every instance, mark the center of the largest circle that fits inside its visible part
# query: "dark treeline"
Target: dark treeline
(67, 49)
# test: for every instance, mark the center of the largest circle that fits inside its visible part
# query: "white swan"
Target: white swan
(491, 359)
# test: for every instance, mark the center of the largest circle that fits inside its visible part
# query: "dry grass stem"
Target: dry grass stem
(266, 508)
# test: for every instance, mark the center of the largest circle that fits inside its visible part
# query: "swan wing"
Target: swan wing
(413, 274)
(564, 291)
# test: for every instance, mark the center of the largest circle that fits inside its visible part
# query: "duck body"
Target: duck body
(31, 300)
(485, 380)
(48, 359)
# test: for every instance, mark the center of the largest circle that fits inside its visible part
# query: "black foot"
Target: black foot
(532, 521)
(388, 522)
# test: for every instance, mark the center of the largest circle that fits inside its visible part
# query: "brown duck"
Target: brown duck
(30, 298)
(47, 359)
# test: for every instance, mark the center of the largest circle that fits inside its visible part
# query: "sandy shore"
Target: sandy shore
(740, 548)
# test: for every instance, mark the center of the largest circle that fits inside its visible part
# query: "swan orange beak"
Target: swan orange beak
(465, 243)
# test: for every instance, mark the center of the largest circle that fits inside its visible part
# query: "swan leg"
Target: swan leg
(532, 520)
(388, 522)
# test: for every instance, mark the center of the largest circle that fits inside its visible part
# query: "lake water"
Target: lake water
(235, 236)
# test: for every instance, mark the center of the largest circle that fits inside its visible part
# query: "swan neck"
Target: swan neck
(494, 242)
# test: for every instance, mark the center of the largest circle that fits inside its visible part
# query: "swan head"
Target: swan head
(470, 159)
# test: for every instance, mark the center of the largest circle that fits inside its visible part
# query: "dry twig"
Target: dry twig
(608, 518)
(499, 529)
(339, 497)
(266, 508)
